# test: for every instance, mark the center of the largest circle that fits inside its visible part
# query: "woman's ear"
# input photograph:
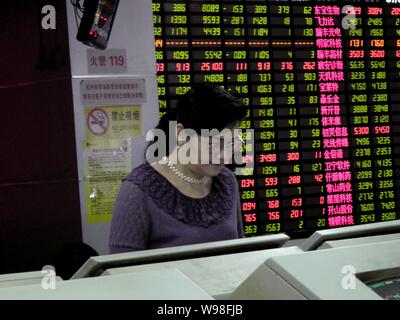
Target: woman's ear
(179, 128)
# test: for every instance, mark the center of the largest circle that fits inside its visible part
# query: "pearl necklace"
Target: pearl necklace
(175, 170)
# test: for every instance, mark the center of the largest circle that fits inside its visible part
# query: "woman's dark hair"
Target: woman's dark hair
(204, 107)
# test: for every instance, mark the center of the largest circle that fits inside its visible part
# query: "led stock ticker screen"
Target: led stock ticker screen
(321, 82)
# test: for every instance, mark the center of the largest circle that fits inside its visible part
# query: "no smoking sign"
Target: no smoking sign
(98, 122)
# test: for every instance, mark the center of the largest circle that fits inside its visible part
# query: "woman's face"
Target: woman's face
(213, 150)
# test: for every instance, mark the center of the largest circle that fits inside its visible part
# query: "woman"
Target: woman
(170, 203)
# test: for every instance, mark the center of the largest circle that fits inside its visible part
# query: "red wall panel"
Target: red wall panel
(39, 196)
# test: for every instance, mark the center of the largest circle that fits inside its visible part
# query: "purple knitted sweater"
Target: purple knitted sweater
(151, 213)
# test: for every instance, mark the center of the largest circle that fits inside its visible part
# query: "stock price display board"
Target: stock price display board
(321, 82)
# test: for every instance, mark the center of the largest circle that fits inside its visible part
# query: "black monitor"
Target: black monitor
(96, 23)
(388, 289)
(95, 266)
